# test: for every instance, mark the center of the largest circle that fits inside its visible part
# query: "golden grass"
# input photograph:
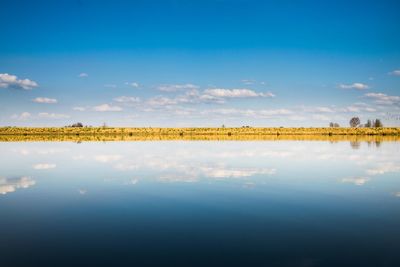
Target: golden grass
(243, 133)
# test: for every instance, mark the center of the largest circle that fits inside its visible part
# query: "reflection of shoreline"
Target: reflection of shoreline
(232, 137)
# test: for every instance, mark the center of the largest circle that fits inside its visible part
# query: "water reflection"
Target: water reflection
(9, 185)
(264, 203)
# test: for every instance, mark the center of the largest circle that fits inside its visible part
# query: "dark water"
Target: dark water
(172, 203)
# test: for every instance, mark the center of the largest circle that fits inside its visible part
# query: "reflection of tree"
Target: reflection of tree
(355, 144)
(378, 143)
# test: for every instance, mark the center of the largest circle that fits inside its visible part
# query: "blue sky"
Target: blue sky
(199, 63)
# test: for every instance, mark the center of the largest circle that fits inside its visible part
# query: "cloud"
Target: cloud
(248, 82)
(79, 108)
(45, 100)
(8, 185)
(235, 93)
(324, 109)
(320, 117)
(161, 101)
(53, 115)
(133, 84)
(107, 108)
(107, 158)
(176, 87)
(384, 99)
(263, 113)
(355, 180)
(356, 86)
(193, 96)
(12, 81)
(83, 75)
(44, 166)
(395, 73)
(127, 99)
(22, 116)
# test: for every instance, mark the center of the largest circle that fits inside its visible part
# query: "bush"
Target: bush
(78, 124)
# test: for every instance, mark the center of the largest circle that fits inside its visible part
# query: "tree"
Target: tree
(368, 124)
(354, 122)
(334, 125)
(78, 124)
(331, 124)
(378, 123)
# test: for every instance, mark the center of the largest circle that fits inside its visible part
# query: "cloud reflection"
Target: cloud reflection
(44, 166)
(356, 180)
(8, 185)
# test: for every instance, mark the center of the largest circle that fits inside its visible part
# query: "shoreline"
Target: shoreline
(212, 134)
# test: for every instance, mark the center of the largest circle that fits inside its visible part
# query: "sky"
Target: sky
(199, 63)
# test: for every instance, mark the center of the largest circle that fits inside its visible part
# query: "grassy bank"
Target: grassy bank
(243, 133)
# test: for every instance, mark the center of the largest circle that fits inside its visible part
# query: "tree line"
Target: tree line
(356, 122)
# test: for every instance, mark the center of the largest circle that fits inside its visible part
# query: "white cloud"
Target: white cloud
(8, 185)
(176, 87)
(320, 117)
(133, 84)
(12, 81)
(53, 115)
(324, 109)
(263, 113)
(384, 99)
(127, 99)
(248, 81)
(79, 108)
(45, 100)
(356, 86)
(106, 108)
(22, 116)
(395, 73)
(44, 166)
(355, 180)
(161, 101)
(235, 93)
(83, 75)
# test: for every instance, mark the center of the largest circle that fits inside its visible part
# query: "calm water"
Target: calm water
(283, 203)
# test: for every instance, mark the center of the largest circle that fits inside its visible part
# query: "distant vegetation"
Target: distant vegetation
(334, 125)
(245, 133)
(78, 124)
(355, 122)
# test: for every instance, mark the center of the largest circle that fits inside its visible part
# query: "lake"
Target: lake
(200, 203)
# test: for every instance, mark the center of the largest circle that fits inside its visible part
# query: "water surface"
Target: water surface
(198, 203)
